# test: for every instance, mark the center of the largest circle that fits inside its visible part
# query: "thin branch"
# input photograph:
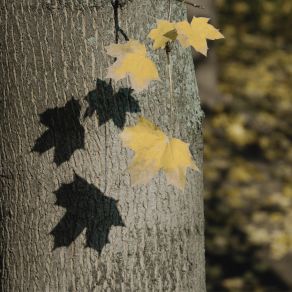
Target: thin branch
(116, 5)
(191, 3)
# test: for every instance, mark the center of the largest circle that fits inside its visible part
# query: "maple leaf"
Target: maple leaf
(132, 61)
(164, 33)
(197, 33)
(155, 151)
(86, 208)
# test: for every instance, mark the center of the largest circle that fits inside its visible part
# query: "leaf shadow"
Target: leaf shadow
(64, 132)
(86, 208)
(109, 105)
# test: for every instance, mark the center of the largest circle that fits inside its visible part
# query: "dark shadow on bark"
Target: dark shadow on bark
(86, 208)
(64, 132)
(109, 105)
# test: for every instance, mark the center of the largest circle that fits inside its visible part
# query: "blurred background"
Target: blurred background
(246, 89)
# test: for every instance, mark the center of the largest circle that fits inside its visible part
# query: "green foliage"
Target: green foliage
(248, 147)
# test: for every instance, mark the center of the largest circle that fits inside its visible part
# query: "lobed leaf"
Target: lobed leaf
(132, 61)
(197, 33)
(155, 151)
(165, 32)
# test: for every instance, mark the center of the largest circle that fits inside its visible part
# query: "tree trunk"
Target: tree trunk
(70, 221)
(207, 68)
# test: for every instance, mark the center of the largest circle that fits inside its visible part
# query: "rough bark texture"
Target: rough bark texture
(69, 219)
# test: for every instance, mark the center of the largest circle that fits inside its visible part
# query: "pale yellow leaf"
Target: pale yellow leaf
(132, 61)
(165, 32)
(120, 50)
(155, 151)
(197, 33)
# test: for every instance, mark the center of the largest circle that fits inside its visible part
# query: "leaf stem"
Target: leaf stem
(169, 9)
(169, 69)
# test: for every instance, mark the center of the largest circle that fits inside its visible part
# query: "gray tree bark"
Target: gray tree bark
(70, 221)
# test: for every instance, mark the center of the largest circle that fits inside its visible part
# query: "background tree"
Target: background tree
(247, 152)
(69, 219)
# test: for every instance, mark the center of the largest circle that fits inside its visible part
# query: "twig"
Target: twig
(189, 2)
(116, 5)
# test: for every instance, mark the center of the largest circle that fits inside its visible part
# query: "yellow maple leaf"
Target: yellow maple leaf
(155, 151)
(197, 33)
(132, 61)
(164, 33)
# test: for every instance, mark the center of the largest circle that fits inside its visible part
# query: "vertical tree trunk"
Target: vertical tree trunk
(69, 219)
(207, 68)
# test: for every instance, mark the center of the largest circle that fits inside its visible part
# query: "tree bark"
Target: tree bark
(70, 221)
(207, 68)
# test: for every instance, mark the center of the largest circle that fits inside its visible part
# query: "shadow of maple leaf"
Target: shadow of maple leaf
(64, 132)
(109, 105)
(86, 208)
